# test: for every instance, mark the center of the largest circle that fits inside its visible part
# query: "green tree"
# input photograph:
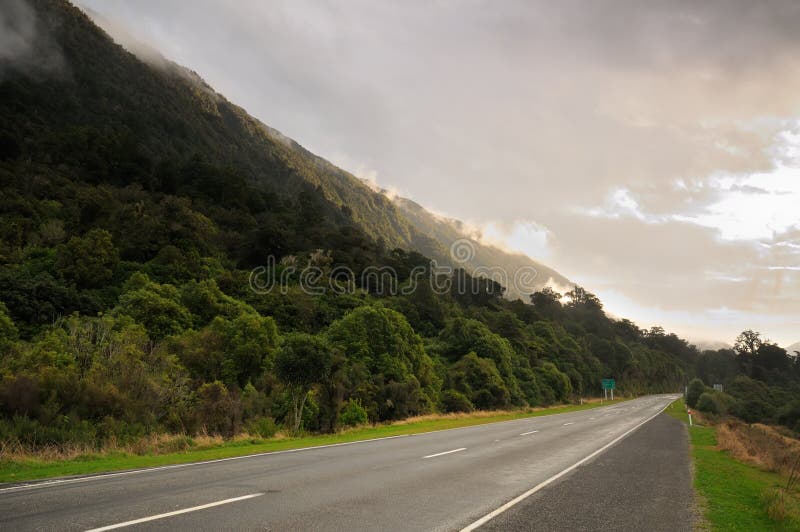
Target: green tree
(747, 343)
(556, 380)
(464, 335)
(302, 361)
(789, 415)
(156, 306)
(706, 403)
(89, 260)
(353, 414)
(696, 389)
(8, 331)
(217, 411)
(716, 402)
(382, 342)
(479, 380)
(547, 302)
(580, 297)
(234, 351)
(455, 401)
(771, 363)
(206, 301)
(250, 340)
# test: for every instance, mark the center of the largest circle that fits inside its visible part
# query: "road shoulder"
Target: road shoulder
(642, 483)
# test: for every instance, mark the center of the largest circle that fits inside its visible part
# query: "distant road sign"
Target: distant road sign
(609, 384)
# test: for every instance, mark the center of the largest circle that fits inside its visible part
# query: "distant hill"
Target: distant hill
(711, 345)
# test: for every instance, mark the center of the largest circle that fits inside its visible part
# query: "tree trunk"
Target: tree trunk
(298, 403)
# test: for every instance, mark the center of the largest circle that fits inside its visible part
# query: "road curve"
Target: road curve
(445, 480)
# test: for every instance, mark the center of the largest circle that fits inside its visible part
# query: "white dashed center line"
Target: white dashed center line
(531, 432)
(176, 512)
(446, 452)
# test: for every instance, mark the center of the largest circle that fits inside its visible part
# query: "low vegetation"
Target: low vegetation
(745, 476)
(760, 445)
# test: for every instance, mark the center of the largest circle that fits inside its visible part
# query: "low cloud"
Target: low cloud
(23, 47)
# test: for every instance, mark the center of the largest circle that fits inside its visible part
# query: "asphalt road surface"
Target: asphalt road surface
(446, 480)
(635, 485)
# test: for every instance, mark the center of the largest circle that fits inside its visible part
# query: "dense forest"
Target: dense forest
(134, 205)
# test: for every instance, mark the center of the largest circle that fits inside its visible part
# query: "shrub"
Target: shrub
(715, 402)
(263, 427)
(708, 403)
(726, 403)
(754, 410)
(353, 414)
(774, 500)
(216, 409)
(64, 431)
(454, 401)
(696, 389)
(479, 380)
(789, 415)
(175, 444)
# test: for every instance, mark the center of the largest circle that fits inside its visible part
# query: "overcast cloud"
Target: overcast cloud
(649, 150)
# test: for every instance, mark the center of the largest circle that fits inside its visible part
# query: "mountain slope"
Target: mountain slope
(523, 274)
(166, 113)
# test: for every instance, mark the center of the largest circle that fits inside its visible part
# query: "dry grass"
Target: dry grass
(13, 450)
(456, 415)
(489, 413)
(771, 450)
(760, 445)
(774, 500)
(153, 444)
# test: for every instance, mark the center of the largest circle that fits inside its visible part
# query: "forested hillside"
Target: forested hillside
(481, 256)
(134, 205)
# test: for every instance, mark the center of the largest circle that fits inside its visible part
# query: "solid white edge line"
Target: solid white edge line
(171, 514)
(531, 432)
(446, 452)
(73, 480)
(513, 502)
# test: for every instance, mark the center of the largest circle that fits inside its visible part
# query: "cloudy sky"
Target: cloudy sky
(648, 150)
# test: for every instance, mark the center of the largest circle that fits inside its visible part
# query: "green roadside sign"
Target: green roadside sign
(609, 384)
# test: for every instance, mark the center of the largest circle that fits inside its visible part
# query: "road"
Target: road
(445, 480)
(634, 485)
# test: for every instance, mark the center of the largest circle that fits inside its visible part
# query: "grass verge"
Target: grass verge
(736, 496)
(14, 470)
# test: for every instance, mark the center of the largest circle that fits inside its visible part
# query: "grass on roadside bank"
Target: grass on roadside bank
(737, 496)
(15, 469)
